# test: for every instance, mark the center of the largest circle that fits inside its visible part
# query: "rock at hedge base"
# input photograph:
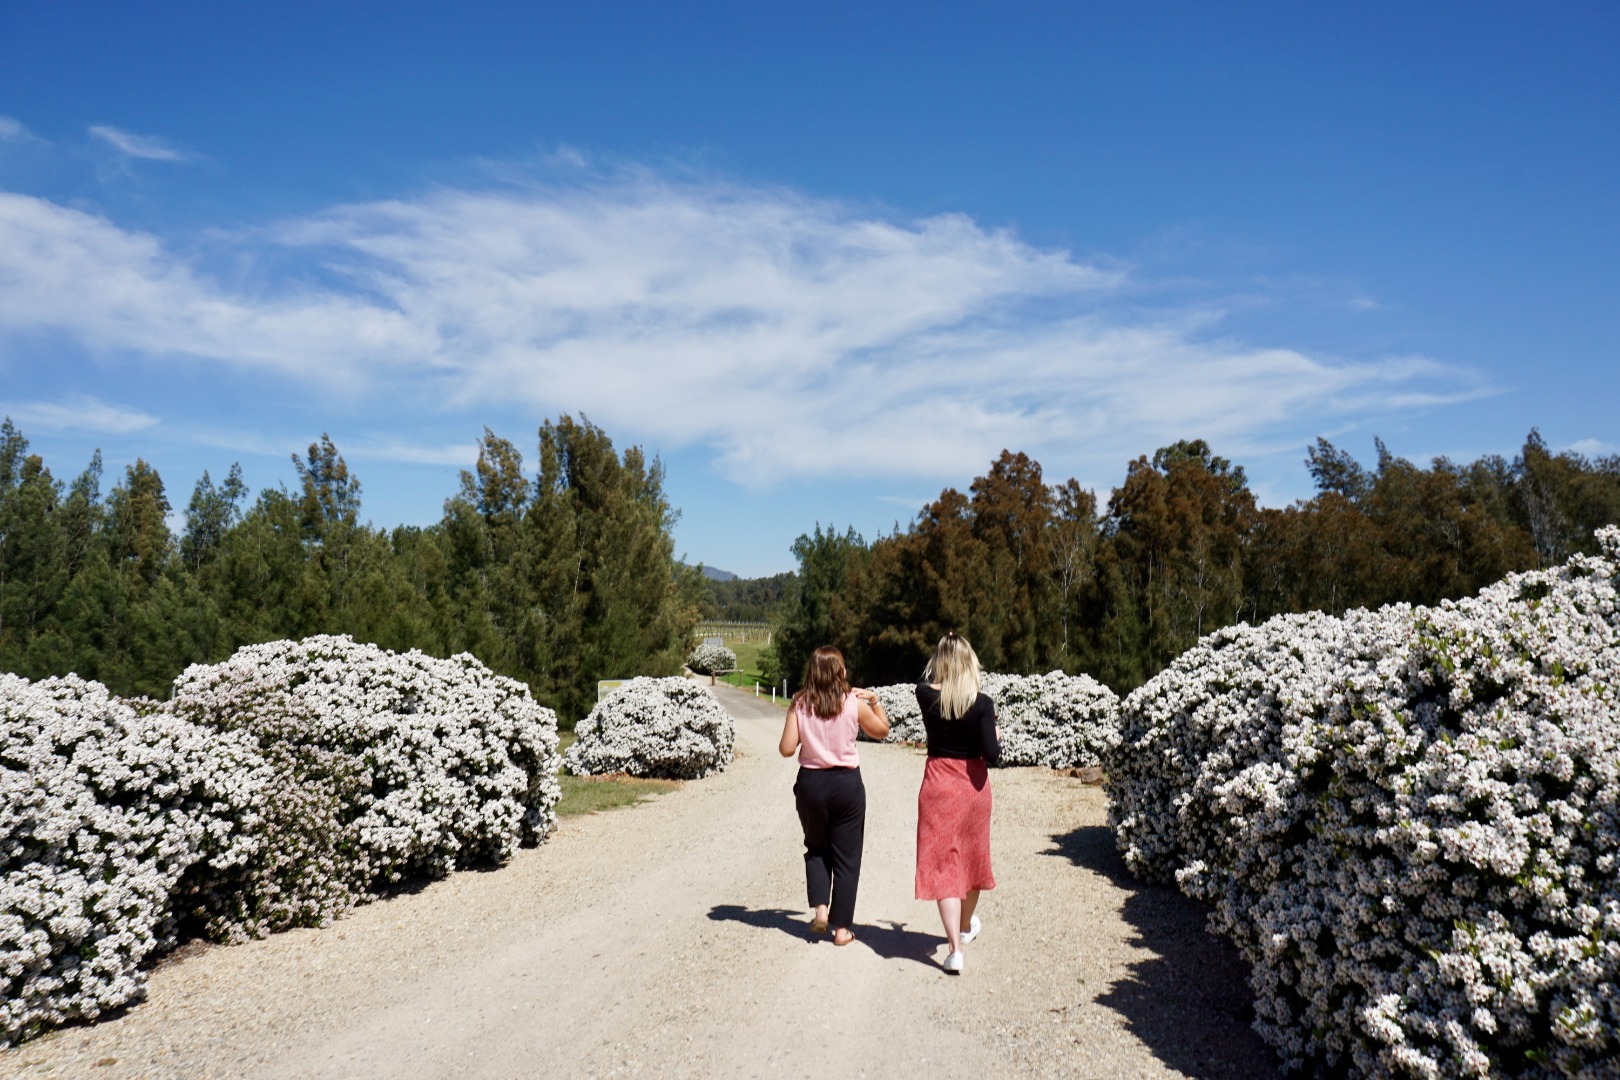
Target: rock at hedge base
(671, 729)
(710, 659)
(1407, 819)
(387, 766)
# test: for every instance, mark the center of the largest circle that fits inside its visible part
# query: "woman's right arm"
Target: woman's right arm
(790, 733)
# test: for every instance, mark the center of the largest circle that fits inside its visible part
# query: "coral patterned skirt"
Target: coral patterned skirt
(953, 829)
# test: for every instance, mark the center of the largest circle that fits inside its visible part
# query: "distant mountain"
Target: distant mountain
(716, 574)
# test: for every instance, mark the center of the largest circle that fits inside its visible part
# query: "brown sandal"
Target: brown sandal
(849, 936)
(818, 926)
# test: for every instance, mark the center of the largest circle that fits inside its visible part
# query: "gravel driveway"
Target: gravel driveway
(669, 940)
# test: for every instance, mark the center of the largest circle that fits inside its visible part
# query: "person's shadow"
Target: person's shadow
(1188, 998)
(890, 940)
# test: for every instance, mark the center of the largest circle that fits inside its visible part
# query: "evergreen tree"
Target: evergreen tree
(210, 515)
(262, 578)
(821, 612)
(1171, 560)
(608, 598)
(485, 540)
(138, 523)
(1012, 526)
(1564, 498)
(33, 568)
(330, 498)
(747, 599)
(1074, 542)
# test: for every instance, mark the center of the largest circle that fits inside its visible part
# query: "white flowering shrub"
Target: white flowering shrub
(1407, 819)
(387, 766)
(1057, 720)
(670, 728)
(708, 659)
(899, 703)
(1061, 721)
(103, 814)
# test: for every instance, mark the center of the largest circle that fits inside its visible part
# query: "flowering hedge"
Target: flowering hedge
(275, 789)
(671, 728)
(103, 814)
(708, 659)
(899, 703)
(388, 765)
(1057, 720)
(1407, 819)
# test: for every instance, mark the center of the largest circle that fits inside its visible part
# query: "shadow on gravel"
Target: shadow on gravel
(789, 922)
(891, 941)
(1190, 1002)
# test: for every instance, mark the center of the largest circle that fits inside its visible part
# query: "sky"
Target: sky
(824, 260)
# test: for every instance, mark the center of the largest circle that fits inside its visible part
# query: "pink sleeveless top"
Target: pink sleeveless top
(829, 743)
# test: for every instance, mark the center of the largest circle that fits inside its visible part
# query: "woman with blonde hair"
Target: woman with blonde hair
(821, 727)
(953, 807)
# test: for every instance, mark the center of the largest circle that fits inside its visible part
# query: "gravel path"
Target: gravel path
(669, 940)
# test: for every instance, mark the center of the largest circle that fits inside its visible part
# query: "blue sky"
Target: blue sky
(824, 262)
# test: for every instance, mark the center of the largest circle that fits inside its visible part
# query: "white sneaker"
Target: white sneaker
(953, 963)
(971, 932)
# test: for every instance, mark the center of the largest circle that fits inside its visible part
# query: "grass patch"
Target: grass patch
(593, 794)
(748, 666)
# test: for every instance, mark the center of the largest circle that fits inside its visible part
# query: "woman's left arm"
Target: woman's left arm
(869, 713)
(790, 733)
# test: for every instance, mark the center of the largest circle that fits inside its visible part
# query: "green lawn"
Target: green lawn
(591, 794)
(747, 672)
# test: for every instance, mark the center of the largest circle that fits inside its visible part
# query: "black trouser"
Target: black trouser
(832, 809)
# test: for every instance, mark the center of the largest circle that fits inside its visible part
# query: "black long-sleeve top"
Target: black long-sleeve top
(973, 735)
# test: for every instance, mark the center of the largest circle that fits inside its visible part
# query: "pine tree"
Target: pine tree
(210, 515)
(138, 523)
(1074, 554)
(1011, 523)
(330, 498)
(819, 615)
(611, 601)
(33, 567)
(1172, 560)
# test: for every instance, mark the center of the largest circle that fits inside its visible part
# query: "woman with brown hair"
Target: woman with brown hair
(821, 727)
(953, 807)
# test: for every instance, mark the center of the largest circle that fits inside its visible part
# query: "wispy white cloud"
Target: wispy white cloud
(11, 128)
(145, 147)
(1594, 448)
(118, 290)
(405, 452)
(356, 445)
(79, 414)
(794, 336)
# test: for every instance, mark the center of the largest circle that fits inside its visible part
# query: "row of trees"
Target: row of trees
(1040, 577)
(557, 579)
(747, 599)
